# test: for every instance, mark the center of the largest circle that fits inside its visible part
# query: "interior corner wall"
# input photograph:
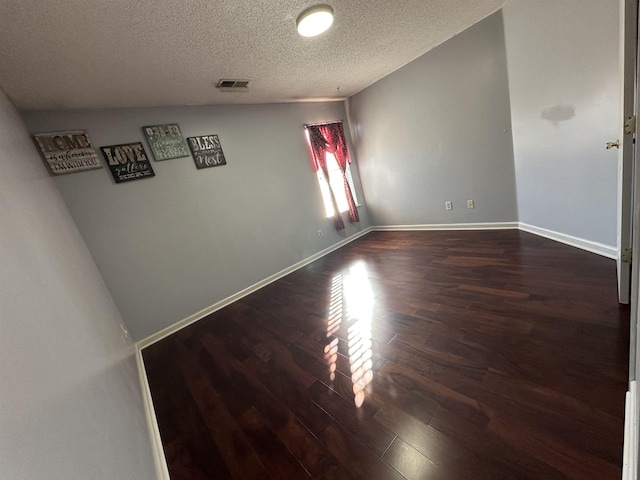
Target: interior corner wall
(439, 130)
(70, 401)
(174, 244)
(564, 85)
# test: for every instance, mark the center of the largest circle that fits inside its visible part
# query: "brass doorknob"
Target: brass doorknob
(616, 144)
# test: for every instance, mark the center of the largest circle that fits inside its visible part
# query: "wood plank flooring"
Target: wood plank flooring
(405, 355)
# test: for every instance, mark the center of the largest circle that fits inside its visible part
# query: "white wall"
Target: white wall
(439, 130)
(174, 244)
(564, 83)
(70, 403)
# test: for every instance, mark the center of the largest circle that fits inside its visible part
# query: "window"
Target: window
(330, 159)
(337, 185)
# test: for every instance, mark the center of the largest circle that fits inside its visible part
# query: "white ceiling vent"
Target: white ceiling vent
(225, 85)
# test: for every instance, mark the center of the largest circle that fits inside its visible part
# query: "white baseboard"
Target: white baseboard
(154, 432)
(151, 339)
(448, 226)
(593, 247)
(159, 460)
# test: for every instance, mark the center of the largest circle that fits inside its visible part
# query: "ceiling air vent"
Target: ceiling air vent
(225, 85)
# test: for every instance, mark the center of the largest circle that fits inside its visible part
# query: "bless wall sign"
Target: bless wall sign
(207, 151)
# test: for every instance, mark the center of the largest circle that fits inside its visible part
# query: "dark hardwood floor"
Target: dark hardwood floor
(417, 355)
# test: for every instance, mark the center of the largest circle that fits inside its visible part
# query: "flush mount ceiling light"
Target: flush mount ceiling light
(315, 20)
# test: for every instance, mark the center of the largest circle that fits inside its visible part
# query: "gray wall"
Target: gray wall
(439, 130)
(174, 244)
(565, 86)
(70, 403)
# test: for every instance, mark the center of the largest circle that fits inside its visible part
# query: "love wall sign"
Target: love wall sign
(127, 162)
(207, 151)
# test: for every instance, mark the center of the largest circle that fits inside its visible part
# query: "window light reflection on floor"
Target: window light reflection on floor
(333, 325)
(352, 288)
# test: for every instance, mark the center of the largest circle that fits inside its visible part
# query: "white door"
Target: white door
(631, 466)
(628, 54)
(630, 154)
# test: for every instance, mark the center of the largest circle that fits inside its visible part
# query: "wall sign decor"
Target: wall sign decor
(166, 141)
(68, 152)
(128, 162)
(207, 151)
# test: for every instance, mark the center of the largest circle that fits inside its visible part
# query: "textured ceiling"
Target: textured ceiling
(121, 53)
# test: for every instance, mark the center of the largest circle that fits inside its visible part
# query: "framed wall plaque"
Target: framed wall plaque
(67, 152)
(166, 141)
(127, 162)
(207, 151)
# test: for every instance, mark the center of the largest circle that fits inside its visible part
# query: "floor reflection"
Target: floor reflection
(352, 303)
(333, 325)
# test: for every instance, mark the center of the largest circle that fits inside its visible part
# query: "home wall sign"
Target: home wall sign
(127, 162)
(68, 152)
(166, 141)
(207, 151)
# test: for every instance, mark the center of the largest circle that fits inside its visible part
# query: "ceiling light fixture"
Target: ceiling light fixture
(315, 20)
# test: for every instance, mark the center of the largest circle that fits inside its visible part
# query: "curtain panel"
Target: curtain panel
(330, 138)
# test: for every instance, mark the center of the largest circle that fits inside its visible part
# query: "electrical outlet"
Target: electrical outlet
(320, 234)
(469, 203)
(448, 206)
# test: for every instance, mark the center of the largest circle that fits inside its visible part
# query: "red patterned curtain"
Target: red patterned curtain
(330, 138)
(337, 144)
(319, 158)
